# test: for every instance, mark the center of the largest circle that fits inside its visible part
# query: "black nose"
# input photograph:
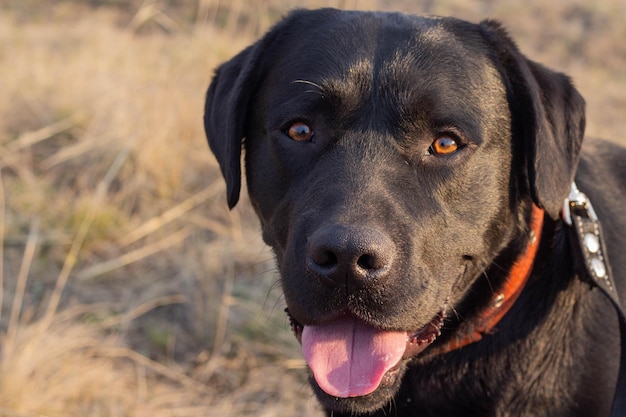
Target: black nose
(349, 255)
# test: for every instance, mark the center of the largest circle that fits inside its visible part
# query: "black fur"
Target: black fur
(377, 89)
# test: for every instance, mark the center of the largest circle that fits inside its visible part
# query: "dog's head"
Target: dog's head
(391, 159)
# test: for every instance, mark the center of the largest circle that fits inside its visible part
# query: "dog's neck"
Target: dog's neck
(472, 331)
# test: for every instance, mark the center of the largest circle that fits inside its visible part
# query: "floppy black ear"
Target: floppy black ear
(233, 86)
(225, 112)
(227, 103)
(548, 117)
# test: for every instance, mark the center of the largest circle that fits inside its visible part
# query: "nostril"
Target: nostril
(325, 259)
(369, 262)
(321, 254)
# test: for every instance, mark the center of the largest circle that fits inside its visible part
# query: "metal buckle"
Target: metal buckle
(577, 200)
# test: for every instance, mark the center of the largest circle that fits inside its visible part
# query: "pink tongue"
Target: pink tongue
(349, 357)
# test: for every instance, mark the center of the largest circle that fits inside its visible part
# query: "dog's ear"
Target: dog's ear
(548, 118)
(227, 103)
(225, 113)
(233, 86)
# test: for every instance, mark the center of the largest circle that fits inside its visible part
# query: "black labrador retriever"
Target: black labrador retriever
(409, 174)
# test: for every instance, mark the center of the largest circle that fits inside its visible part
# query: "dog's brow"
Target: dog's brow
(319, 87)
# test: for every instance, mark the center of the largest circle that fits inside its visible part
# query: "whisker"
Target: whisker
(320, 89)
(309, 83)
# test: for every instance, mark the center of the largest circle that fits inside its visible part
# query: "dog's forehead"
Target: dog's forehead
(356, 43)
(360, 57)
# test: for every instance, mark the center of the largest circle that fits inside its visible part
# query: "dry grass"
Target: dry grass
(127, 287)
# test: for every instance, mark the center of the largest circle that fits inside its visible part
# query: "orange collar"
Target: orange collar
(503, 300)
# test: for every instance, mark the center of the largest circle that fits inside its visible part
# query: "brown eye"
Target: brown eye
(444, 145)
(300, 132)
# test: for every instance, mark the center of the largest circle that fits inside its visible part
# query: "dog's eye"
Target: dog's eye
(300, 132)
(443, 145)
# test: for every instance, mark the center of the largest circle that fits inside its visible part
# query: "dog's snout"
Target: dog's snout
(349, 255)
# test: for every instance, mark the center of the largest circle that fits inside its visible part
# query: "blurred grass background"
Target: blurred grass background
(128, 288)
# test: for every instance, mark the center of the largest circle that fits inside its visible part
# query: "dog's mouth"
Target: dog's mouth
(351, 358)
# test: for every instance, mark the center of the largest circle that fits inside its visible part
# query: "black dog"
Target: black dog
(409, 174)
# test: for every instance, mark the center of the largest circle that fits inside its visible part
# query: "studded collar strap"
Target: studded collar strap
(502, 301)
(588, 241)
(592, 264)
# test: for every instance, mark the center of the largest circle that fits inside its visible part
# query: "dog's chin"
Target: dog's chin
(369, 403)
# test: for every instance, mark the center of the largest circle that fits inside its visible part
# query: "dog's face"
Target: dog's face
(390, 159)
